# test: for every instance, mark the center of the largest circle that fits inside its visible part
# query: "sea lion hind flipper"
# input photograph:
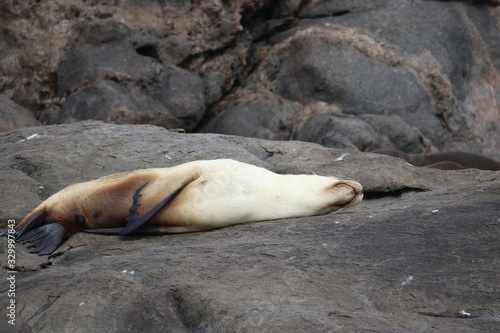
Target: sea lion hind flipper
(147, 230)
(34, 220)
(142, 230)
(103, 231)
(45, 239)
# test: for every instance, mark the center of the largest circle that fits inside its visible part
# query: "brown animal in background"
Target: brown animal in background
(451, 160)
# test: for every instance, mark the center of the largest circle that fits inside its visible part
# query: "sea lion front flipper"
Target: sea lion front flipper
(146, 198)
(135, 220)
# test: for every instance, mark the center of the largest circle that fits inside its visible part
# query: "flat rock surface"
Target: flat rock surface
(418, 254)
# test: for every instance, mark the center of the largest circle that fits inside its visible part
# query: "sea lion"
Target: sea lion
(456, 160)
(194, 196)
(445, 165)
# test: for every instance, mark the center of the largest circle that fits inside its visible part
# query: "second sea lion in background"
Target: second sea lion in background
(451, 160)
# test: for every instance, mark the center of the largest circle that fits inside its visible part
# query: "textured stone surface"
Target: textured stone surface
(419, 253)
(417, 76)
(373, 63)
(13, 116)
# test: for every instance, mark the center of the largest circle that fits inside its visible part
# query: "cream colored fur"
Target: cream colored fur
(215, 193)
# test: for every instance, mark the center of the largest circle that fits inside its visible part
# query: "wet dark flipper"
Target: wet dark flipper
(143, 230)
(155, 195)
(147, 230)
(35, 221)
(136, 220)
(45, 239)
(104, 231)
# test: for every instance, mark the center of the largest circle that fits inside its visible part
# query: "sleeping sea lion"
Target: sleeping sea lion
(194, 196)
(455, 160)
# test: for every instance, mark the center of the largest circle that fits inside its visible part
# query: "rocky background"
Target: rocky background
(417, 76)
(419, 254)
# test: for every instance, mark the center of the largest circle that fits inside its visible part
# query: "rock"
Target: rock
(104, 56)
(142, 46)
(263, 115)
(261, 68)
(371, 62)
(175, 101)
(13, 116)
(116, 83)
(418, 253)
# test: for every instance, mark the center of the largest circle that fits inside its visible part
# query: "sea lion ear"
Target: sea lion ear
(147, 198)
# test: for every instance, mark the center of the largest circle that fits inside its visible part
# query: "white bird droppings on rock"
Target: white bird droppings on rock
(407, 281)
(128, 272)
(464, 313)
(342, 156)
(31, 137)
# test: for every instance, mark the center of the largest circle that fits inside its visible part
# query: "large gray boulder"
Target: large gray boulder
(419, 253)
